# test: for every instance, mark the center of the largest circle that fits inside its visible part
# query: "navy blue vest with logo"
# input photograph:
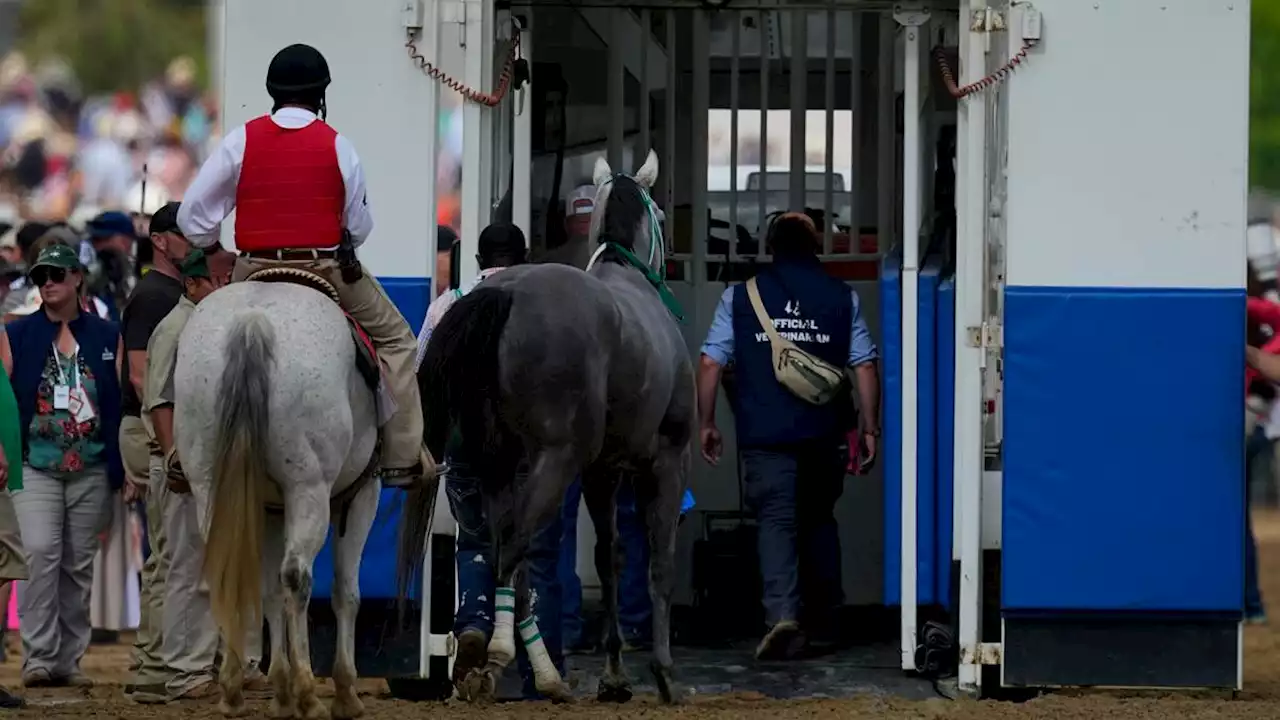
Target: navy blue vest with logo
(814, 311)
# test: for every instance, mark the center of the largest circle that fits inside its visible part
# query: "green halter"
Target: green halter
(657, 278)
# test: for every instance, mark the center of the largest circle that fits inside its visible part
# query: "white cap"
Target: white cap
(126, 126)
(133, 201)
(582, 201)
(81, 216)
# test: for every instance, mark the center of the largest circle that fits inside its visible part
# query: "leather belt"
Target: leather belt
(288, 255)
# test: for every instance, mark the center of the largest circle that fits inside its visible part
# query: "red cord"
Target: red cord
(957, 92)
(476, 96)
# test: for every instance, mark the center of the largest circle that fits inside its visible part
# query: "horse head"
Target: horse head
(625, 213)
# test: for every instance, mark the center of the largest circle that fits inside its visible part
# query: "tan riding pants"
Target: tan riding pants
(369, 305)
(148, 661)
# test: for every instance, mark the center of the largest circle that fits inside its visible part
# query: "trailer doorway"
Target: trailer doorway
(751, 112)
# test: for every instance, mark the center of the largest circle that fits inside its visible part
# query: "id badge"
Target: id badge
(80, 407)
(61, 397)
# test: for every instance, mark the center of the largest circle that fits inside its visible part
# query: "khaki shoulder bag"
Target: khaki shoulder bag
(809, 378)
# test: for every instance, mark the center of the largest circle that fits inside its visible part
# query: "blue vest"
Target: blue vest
(814, 311)
(31, 338)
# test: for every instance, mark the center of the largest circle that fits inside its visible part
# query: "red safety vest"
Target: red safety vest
(291, 194)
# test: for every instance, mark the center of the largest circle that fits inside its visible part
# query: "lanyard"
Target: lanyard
(75, 364)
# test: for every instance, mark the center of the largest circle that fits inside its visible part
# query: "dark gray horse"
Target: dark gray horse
(569, 373)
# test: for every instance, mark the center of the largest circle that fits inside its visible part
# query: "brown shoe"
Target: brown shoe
(157, 694)
(473, 653)
(76, 679)
(201, 691)
(37, 677)
(783, 642)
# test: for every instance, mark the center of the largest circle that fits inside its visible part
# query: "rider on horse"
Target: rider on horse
(301, 201)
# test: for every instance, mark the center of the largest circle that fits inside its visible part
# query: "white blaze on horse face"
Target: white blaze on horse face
(647, 175)
(602, 172)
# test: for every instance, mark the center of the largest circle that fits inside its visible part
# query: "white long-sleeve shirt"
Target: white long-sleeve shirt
(212, 194)
(441, 305)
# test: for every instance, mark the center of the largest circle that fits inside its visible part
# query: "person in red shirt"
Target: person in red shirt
(299, 194)
(1260, 393)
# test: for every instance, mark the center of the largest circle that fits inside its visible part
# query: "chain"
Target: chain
(470, 93)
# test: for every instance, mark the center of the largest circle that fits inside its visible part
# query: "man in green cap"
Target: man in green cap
(189, 639)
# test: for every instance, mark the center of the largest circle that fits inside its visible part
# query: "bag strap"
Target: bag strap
(753, 294)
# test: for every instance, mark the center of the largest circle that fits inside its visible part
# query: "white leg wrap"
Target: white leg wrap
(545, 675)
(502, 647)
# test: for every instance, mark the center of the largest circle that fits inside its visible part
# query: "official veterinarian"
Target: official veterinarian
(794, 452)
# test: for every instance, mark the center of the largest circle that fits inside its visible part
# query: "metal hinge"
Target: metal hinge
(989, 335)
(987, 654)
(986, 20)
(453, 11)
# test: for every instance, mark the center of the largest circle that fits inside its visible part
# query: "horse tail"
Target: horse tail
(459, 385)
(233, 552)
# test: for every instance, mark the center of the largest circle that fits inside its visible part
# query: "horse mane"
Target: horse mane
(623, 213)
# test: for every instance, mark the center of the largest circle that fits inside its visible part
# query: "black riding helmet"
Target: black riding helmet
(299, 75)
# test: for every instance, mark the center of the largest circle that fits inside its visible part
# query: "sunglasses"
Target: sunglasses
(42, 275)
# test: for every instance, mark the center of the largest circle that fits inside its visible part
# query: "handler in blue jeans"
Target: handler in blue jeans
(473, 623)
(794, 453)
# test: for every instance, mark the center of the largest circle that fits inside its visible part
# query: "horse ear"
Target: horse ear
(602, 172)
(647, 175)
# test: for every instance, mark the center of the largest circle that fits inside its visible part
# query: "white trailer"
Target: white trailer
(1052, 259)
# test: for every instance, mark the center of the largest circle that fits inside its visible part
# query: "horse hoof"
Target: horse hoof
(478, 686)
(346, 708)
(282, 710)
(667, 690)
(232, 711)
(560, 693)
(613, 693)
(314, 710)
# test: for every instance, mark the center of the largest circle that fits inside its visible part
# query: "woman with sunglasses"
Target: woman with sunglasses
(62, 364)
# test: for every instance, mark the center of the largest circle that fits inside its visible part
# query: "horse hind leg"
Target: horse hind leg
(659, 505)
(306, 524)
(538, 504)
(601, 496)
(346, 598)
(282, 701)
(231, 678)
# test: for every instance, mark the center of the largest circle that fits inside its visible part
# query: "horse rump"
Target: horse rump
(461, 392)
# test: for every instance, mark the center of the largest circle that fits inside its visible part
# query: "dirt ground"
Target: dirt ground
(1261, 698)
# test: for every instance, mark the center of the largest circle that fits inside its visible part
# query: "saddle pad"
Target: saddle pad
(367, 361)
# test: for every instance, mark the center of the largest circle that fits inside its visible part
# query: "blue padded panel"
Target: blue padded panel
(1123, 449)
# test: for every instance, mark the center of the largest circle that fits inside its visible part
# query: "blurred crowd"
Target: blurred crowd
(73, 165)
(87, 172)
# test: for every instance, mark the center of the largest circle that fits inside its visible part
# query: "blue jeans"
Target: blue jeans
(476, 575)
(1256, 445)
(792, 491)
(635, 609)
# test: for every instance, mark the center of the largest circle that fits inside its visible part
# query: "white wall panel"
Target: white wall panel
(1128, 133)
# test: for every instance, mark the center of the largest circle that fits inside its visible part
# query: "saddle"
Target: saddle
(367, 362)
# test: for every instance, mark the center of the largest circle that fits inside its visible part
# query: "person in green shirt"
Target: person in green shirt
(12, 565)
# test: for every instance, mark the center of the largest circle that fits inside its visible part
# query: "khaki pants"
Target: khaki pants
(397, 347)
(61, 516)
(148, 663)
(13, 563)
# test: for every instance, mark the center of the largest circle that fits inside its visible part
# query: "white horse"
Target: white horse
(272, 413)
